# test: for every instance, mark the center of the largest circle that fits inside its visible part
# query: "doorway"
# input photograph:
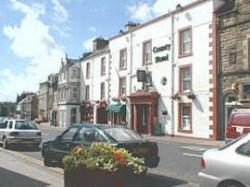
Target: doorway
(142, 118)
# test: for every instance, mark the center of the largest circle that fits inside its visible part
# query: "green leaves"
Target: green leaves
(105, 157)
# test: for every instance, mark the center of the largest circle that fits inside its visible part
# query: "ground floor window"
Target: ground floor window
(73, 115)
(185, 117)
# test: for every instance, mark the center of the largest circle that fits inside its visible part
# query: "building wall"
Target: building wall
(160, 33)
(233, 39)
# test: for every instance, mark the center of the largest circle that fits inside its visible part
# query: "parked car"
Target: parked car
(85, 134)
(228, 166)
(238, 124)
(19, 132)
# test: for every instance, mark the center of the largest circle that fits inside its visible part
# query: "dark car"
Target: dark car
(85, 134)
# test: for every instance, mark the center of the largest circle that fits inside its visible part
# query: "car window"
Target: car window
(98, 137)
(10, 124)
(80, 134)
(122, 134)
(244, 149)
(25, 125)
(3, 125)
(68, 135)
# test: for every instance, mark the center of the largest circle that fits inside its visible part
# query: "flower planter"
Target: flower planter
(83, 177)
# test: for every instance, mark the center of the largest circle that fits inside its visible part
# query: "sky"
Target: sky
(36, 34)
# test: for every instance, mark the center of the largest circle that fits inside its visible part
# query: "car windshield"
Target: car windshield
(27, 125)
(122, 134)
(232, 142)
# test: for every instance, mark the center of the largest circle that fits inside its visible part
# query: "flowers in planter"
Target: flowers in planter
(190, 95)
(103, 156)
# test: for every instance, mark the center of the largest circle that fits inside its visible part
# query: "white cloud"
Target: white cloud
(60, 12)
(88, 44)
(32, 41)
(141, 12)
(92, 29)
(144, 11)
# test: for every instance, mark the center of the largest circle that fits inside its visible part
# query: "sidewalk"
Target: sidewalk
(185, 140)
(18, 172)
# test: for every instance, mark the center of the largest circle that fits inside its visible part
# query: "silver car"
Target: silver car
(19, 132)
(228, 166)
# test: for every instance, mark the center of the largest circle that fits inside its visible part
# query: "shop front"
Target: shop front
(102, 114)
(144, 111)
(117, 113)
(87, 112)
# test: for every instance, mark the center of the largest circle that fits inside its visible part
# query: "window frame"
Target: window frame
(120, 86)
(144, 63)
(180, 124)
(103, 66)
(88, 70)
(181, 68)
(102, 91)
(87, 90)
(124, 67)
(180, 36)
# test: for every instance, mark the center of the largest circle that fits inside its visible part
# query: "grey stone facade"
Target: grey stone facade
(233, 46)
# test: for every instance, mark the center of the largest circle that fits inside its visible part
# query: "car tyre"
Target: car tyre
(231, 184)
(5, 144)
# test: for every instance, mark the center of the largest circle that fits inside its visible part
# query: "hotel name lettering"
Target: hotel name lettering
(161, 49)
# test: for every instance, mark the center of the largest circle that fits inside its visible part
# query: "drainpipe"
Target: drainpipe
(173, 75)
(130, 78)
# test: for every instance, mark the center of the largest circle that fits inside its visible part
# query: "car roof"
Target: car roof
(99, 126)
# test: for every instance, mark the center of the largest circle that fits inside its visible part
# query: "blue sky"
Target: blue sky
(36, 34)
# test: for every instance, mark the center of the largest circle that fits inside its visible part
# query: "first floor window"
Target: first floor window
(185, 122)
(102, 91)
(185, 79)
(87, 93)
(75, 93)
(122, 85)
(246, 92)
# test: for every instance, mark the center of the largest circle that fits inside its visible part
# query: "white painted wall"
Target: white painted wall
(160, 32)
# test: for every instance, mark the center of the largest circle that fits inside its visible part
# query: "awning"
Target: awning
(118, 108)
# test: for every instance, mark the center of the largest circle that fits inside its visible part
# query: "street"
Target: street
(178, 166)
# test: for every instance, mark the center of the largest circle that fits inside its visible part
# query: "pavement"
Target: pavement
(24, 173)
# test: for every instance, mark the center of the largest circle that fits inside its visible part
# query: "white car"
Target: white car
(19, 132)
(228, 166)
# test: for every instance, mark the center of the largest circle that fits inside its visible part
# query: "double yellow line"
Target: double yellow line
(33, 160)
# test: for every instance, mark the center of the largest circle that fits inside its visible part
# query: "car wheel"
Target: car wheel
(231, 184)
(5, 143)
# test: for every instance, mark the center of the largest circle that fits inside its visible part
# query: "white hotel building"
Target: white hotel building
(158, 72)
(175, 53)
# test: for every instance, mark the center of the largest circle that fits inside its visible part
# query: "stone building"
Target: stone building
(233, 45)
(68, 92)
(52, 99)
(43, 96)
(28, 107)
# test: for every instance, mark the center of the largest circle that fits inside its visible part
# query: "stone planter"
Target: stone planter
(99, 178)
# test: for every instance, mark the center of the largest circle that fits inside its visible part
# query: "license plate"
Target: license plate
(239, 129)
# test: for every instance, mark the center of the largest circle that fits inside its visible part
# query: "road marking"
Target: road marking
(194, 148)
(33, 160)
(192, 155)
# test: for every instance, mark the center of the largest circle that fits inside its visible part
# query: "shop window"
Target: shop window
(123, 59)
(103, 66)
(88, 71)
(246, 92)
(147, 52)
(185, 42)
(102, 91)
(122, 86)
(185, 79)
(185, 117)
(73, 115)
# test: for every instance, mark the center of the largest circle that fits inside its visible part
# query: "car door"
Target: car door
(64, 143)
(3, 129)
(84, 136)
